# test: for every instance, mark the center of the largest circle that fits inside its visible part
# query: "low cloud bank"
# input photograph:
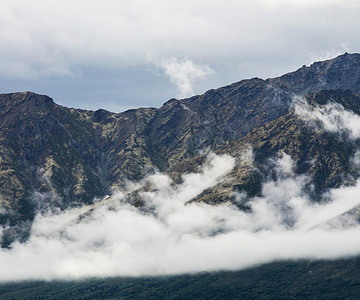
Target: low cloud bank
(172, 236)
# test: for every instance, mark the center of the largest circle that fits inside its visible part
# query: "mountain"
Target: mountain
(57, 157)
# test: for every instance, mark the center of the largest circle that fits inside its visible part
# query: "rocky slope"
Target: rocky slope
(53, 156)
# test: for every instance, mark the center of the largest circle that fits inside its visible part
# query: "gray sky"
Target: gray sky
(123, 54)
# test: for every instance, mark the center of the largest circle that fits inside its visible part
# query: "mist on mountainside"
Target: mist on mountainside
(258, 171)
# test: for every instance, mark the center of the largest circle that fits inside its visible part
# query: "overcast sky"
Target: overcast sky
(123, 54)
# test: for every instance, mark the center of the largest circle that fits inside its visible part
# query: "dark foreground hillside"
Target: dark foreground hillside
(338, 279)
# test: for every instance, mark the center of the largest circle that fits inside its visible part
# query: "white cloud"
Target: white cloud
(117, 239)
(112, 35)
(310, 3)
(331, 117)
(184, 73)
(329, 54)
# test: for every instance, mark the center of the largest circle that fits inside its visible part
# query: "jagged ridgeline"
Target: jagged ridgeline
(53, 156)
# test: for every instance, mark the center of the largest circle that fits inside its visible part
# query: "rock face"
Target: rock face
(53, 156)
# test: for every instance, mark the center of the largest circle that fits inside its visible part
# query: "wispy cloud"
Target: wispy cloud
(184, 73)
(329, 54)
(332, 117)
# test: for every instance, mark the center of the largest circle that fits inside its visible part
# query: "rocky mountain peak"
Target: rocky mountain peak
(29, 97)
(342, 72)
(24, 102)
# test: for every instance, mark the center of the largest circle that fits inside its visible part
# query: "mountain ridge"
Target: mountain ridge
(53, 156)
